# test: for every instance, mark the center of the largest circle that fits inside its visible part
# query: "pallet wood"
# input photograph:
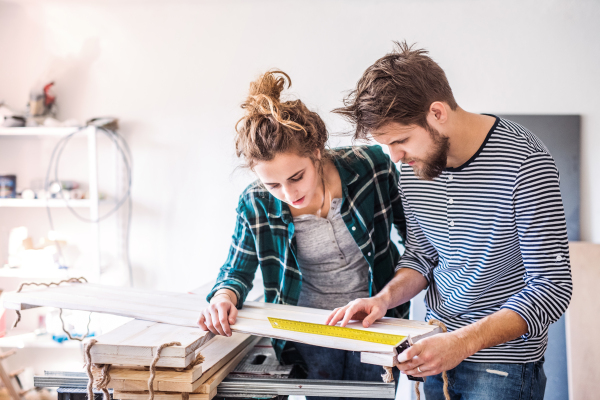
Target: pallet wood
(162, 395)
(583, 350)
(183, 309)
(135, 343)
(217, 353)
(215, 379)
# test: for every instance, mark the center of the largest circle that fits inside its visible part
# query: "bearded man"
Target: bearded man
(486, 232)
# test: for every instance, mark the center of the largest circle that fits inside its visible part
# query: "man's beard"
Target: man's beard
(436, 160)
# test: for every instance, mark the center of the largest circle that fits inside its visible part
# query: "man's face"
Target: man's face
(425, 150)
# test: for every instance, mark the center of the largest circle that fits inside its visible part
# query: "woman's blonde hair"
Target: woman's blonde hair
(270, 127)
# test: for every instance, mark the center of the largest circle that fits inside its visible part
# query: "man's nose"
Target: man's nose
(397, 155)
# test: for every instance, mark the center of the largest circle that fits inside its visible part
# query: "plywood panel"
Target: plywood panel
(583, 348)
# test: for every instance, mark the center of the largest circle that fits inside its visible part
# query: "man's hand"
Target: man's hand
(219, 314)
(433, 355)
(369, 310)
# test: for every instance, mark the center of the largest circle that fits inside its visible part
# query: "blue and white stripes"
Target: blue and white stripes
(491, 234)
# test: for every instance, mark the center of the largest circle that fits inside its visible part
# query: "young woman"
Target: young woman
(317, 222)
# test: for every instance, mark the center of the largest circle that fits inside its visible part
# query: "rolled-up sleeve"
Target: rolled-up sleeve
(238, 271)
(544, 245)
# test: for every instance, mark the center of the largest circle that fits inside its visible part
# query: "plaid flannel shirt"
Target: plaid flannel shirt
(264, 232)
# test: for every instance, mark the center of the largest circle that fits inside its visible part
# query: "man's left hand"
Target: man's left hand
(433, 355)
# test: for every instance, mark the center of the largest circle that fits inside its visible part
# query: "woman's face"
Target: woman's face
(291, 178)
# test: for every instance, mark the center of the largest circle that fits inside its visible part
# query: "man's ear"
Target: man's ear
(438, 113)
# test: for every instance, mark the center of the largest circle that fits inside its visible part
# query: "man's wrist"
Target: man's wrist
(385, 297)
(470, 340)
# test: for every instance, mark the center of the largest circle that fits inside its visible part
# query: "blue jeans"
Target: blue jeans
(333, 364)
(479, 381)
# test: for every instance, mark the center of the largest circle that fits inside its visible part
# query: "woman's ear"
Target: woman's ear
(318, 154)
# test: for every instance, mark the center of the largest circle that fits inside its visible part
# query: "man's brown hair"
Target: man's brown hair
(399, 87)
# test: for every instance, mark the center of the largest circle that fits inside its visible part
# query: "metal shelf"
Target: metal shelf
(54, 203)
(92, 204)
(48, 273)
(31, 340)
(38, 131)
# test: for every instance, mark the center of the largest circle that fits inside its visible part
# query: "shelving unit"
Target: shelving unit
(92, 203)
(38, 131)
(54, 203)
(31, 340)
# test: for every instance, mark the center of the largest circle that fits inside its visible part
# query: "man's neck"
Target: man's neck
(467, 132)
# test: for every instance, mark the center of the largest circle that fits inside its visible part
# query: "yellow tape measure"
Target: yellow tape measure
(336, 331)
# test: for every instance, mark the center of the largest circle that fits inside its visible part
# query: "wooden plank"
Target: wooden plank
(583, 349)
(121, 395)
(135, 343)
(211, 384)
(183, 309)
(217, 353)
(383, 359)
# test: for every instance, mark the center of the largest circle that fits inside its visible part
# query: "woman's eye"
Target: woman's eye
(297, 179)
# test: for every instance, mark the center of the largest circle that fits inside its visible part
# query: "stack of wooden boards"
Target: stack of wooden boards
(183, 309)
(131, 348)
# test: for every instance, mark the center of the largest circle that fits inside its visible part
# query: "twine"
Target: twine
(388, 377)
(100, 382)
(71, 280)
(198, 360)
(103, 376)
(153, 367)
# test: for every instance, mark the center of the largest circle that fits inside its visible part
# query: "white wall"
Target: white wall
(175, 73)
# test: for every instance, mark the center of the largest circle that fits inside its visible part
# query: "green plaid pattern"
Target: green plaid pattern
(264, 231)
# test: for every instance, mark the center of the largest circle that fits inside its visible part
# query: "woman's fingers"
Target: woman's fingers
(223, 309)
(218, 317)
(214, 315)
(232, 315)
(201, 323)
(208, 322)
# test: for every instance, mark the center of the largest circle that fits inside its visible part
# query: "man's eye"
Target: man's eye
(273, 186)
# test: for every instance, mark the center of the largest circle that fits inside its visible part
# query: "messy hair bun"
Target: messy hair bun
(270, 127)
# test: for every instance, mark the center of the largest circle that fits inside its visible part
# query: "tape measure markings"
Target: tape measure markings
(336, 331)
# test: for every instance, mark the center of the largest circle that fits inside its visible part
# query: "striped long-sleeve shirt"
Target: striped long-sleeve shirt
(491, 234)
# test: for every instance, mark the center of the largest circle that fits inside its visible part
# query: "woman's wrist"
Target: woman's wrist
(222, 293)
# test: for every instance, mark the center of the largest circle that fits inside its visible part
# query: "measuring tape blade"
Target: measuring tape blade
(336, 331)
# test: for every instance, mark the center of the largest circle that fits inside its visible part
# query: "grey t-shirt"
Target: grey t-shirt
(334, 270)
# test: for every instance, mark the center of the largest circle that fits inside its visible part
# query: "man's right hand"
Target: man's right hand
(219, 314)
(368, 309)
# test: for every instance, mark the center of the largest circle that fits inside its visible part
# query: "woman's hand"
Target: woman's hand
(368, 310)
(220, 313)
